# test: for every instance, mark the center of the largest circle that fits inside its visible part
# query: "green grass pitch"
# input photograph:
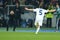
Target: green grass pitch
(29, 36)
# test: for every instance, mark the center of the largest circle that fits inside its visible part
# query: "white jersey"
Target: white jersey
(40, 14)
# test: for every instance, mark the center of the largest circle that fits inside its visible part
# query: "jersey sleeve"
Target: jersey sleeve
(34, 10)
(45, 11)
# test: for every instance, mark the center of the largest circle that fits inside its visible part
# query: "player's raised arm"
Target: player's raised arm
(51, 10)
(28, 9)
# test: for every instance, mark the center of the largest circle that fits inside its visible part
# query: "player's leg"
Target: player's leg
(57, 24)
(38, 27)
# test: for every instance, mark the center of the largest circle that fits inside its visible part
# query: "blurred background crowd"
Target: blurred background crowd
(15, 12)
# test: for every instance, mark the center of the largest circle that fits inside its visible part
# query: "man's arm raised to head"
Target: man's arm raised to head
(51, 10)
(28, 9)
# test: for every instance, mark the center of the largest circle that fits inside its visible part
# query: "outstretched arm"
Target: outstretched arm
(51, 10)
(28, 9)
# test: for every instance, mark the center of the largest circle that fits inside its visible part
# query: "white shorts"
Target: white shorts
(39, 21)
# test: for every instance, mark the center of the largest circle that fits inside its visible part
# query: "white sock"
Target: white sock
(37, 30)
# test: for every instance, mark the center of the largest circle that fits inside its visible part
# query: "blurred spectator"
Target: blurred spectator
(5, 2)
(58, 15)
(22, 2)
(28, 2)
(49, 16)
(30, 23)
(0, 22)
(3, 22)
(46, 3)
(54, 2)
(59, 2)
(15, 1)
(41, 3)
(1, 3)
(32, 2)
(11, 18)
(35, 3)
(18, 11)
(11, 21)
(1, 12)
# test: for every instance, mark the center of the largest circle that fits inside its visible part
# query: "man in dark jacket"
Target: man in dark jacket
(11, 21)
(18, 12)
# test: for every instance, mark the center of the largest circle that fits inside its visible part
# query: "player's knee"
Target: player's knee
(37, 24)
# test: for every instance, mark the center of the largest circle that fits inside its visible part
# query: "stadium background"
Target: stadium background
(27, 17)
(26, 30)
